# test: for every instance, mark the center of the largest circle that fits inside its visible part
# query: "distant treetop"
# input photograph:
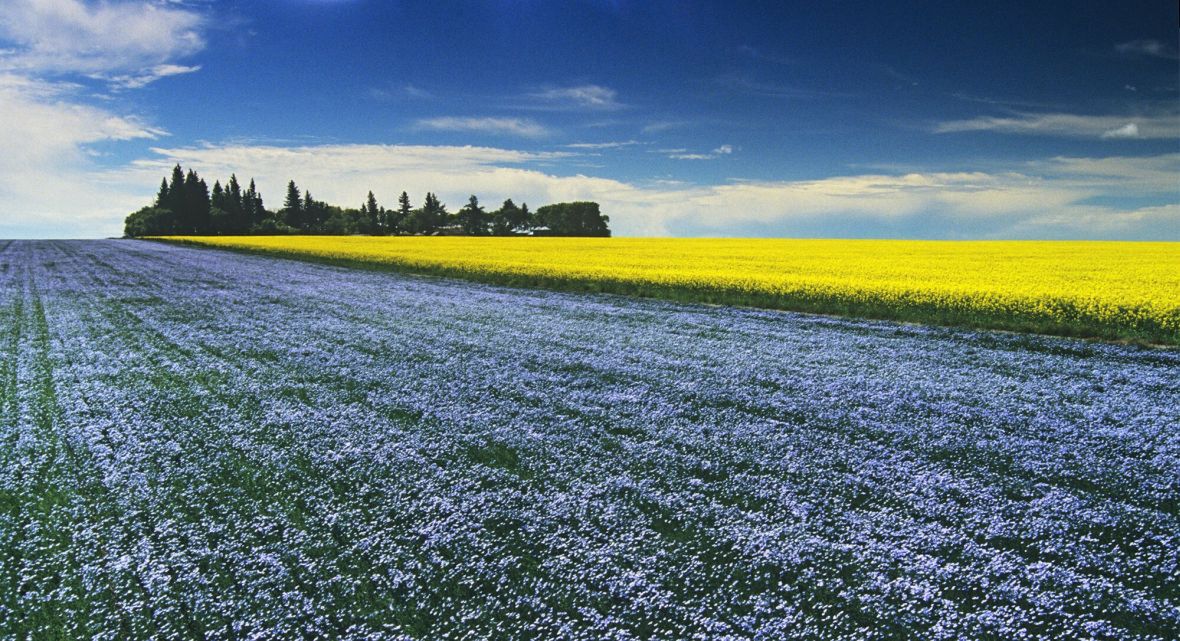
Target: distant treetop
(185, 205)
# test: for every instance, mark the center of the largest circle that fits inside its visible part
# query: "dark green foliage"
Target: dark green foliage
(429, 218)
(292, 211)
(252, 204)
(510, 220)
(573, 219)
(472, 219)
(184, 205)
(315, 214)
(175, 200)
(193, 212)
(372, 216)
(399, 217)
(149, 221)
(162, 195)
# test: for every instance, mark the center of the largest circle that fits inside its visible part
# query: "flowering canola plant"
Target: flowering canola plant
(1103, 289)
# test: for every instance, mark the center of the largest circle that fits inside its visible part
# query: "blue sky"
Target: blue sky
(847, 119)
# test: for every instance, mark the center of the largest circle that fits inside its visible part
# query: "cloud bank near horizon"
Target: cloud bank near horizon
(1056, 198)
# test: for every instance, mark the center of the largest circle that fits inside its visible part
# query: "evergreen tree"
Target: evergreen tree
(315, 213)
(309, 206)
(217, 196)
(252, 204)
(195, 212)
(402, 216)
(292, 211)
(372, 215)
(162, 196)
(233, 192)
(472, 218)
(176, 198)
(435, 213)
(428, 218)
(527, 219)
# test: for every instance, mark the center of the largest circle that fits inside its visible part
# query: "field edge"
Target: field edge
(918, 313)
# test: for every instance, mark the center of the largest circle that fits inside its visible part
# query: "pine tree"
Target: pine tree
(293, 205)
(252, 204)
(233, 192)
(434, 214)
(176, 197)
(309, 207)
(162, 196)
(196, 203)
(372, 215)
(404, 209)
(189, 206)
(472, 218)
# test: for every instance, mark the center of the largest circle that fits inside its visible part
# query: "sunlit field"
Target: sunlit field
(1113, 290)
(200, 444)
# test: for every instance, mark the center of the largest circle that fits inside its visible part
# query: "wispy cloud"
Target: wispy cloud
(403, 92)
(1159, 127)
(1129, 130)
(48, 48)
(135, 81)
(603, 145)
(46, 140)
(1148, 48)
(665, 125)
(492, 126)
(683, 154)
(903, 78)
(107, 40)
(587, 97)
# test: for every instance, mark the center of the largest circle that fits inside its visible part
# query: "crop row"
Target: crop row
(208, 445)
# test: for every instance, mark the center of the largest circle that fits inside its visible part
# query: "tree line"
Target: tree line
(185, 205)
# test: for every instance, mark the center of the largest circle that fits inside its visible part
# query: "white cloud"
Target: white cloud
(1129, 130)
(1048, 199)
(45, 129)
(101, 39)
(495, 126)
(1149, 48)
(403, 92)
(683, 154)
(592, 97)
(602, 145)
(665, 125)
(135, 81)
(49, 179)
(46, 175)
(1159, 126)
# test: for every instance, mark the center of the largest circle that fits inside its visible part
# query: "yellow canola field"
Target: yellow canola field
(1106, 289)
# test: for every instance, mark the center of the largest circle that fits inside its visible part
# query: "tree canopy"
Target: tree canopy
(185, 205)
